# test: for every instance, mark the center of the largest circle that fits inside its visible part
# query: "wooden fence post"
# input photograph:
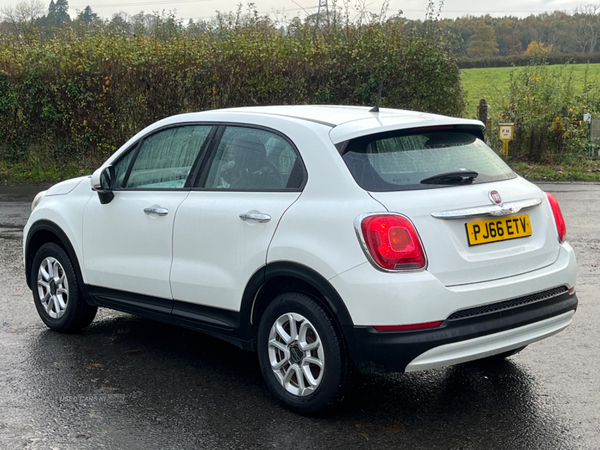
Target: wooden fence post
(482, 114)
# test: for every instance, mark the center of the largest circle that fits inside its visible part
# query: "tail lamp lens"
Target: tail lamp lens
(392, 242)
(558, 217)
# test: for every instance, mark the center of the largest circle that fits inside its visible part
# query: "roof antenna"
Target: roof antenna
(375, 108)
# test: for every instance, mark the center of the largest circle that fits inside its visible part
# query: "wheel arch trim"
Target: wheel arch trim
(302, 273)
(63, 239)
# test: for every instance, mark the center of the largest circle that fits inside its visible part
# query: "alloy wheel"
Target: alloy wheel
(53, 287)
(296, 354)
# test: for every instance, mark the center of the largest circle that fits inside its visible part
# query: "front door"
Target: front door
(127, 243)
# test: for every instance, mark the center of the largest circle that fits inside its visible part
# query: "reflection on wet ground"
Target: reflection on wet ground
(138, 382)
(132, 383)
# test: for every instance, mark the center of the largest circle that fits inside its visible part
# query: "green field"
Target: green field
(482, 83)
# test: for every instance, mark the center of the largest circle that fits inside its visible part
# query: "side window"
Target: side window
(253, 159)
(121, 167)
(165, 158)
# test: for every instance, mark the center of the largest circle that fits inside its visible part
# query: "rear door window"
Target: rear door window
(256, 160)
(401, 161)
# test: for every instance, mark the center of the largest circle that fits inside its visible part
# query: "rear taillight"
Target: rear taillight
(558, 217)
(391, 242)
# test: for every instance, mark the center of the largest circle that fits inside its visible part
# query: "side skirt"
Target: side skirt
(216, 322)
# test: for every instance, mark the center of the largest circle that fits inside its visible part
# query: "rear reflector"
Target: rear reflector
(414, 326)
(561, 227)
(392, 242)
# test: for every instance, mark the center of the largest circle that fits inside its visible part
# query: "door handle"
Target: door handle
(259, 217)
(158, 210)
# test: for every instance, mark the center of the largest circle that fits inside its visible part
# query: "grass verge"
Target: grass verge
(584, 170)
(22, 173)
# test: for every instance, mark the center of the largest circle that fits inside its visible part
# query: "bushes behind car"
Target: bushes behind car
(75, 96)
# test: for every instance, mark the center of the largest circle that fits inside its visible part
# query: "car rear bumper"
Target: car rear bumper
(373, 297)
(462, 339)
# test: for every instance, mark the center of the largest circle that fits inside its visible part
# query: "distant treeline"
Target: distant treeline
(571, 33)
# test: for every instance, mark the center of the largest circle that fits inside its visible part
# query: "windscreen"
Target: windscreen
(401, 161)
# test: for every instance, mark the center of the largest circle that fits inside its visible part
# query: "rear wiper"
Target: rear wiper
(458, 177)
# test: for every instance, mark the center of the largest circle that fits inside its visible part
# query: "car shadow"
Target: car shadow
(146, 384)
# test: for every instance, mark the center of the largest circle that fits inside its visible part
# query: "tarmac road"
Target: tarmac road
(126, 382)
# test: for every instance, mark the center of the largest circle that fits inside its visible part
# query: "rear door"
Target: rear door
(477, 220)
(223, 228)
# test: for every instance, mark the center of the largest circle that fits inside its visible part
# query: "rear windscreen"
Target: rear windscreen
(400, 161)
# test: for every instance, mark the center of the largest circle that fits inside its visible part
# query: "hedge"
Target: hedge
(70, 97)
(528, 60)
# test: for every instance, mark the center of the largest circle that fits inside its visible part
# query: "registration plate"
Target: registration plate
(500, 229)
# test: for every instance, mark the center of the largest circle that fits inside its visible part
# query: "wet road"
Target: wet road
(126, 382)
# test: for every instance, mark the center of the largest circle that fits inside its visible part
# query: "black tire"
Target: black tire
(334, 375)
(59, 304)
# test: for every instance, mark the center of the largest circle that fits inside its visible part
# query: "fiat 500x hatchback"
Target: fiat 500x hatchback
(326, 239)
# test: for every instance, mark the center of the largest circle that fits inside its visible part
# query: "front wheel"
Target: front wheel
(302, 356)
(56, 293)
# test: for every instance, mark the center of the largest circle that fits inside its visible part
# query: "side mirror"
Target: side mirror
(103, 184)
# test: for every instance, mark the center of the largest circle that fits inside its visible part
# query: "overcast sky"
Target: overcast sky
(412, 9)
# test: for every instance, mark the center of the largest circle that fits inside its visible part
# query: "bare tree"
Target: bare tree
(587, 27)
(21, 18)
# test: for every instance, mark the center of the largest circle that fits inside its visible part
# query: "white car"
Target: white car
(326, 238)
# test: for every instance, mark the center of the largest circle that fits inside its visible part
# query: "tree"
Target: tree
(58, 13)
(557, 30)
(483, 42)
(120, 23)
(588, 27)
(87, 16)
(21, 19)
(538, 48)
(513, 44)
(196, 28)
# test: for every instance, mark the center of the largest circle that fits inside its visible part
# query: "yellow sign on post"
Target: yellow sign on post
(506, 133)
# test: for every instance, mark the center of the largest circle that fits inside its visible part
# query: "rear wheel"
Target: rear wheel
(301, 355)
(56, 292)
